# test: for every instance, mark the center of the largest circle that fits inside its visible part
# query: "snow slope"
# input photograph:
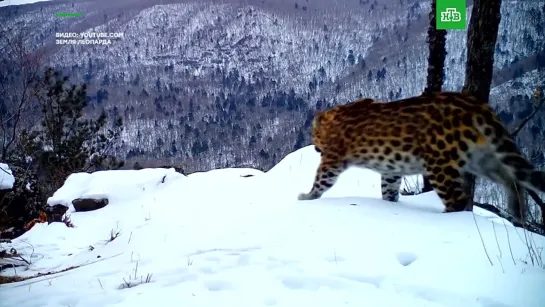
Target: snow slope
(6, 177)
(219, 239)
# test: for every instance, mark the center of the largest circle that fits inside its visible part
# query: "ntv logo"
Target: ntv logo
(451, 15)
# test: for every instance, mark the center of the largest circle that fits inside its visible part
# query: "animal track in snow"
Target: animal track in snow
(270, 302)
(372, 280)
(406, 258)
(213, 260)
(312, 283)
(217, 285)
(207, 270)
(187, 277)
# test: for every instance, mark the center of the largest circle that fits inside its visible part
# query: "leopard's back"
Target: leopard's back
(395, 136)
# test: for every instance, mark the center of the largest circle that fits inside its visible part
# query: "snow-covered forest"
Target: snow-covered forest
(208, 84)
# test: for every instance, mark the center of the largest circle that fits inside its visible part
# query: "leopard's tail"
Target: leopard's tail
(501, 161)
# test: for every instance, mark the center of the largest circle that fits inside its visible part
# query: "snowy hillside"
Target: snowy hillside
(219, 239)
(194, 78)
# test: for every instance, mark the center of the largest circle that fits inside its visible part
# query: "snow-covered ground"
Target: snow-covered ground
(6, 177)
(18, 2)
(219, 239)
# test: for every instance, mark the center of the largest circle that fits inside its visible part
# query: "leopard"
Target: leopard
(446, 136)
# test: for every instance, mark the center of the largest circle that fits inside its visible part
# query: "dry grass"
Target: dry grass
(495, 195)
(133, 280)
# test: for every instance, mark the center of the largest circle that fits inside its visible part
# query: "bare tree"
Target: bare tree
(437, 54)
(539, 103)
(436, 64)
(21, 68)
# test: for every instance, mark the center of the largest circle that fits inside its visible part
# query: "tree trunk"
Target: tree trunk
(481, 42)
(436, 64)
(437, 54)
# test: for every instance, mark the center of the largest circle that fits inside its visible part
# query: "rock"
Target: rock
(150, 164)
(89, 204)
(177, 169)
(55, 213)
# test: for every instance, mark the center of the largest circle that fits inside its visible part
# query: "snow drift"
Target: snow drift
(6, 177)
(218, 238)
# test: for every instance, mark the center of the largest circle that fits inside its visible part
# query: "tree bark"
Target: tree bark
(437, 54)
(436, 64)
(481, 42)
